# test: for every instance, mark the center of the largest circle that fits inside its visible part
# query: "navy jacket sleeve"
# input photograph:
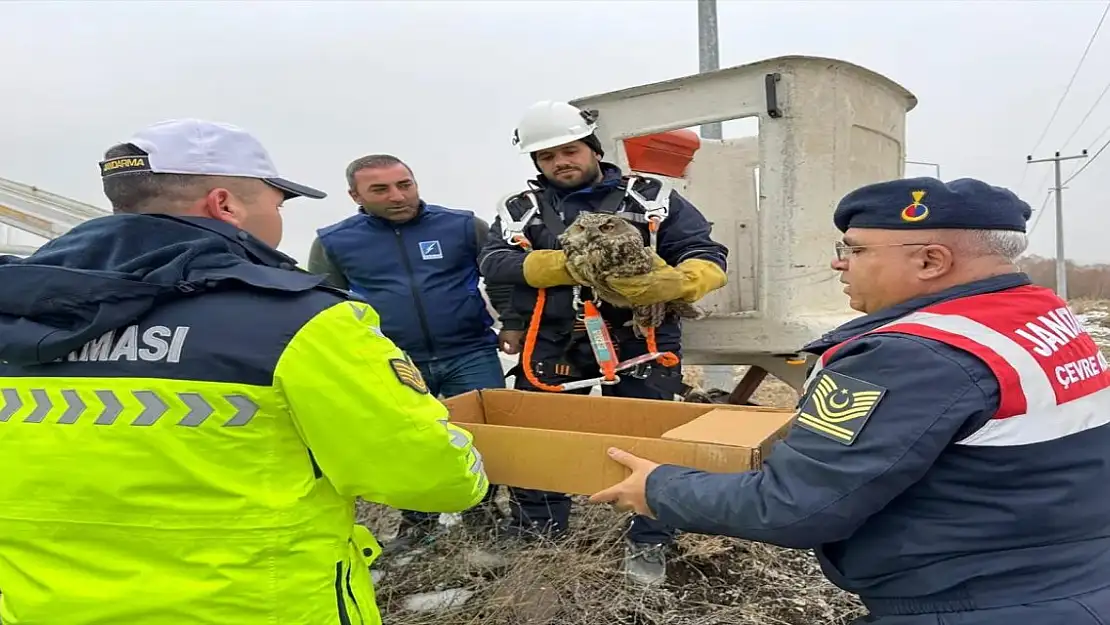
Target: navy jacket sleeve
(320, 263)
(814, 490)
(500, 262)
(499, 294)
(685, 234)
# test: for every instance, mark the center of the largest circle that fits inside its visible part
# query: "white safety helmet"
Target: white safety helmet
(547, 124)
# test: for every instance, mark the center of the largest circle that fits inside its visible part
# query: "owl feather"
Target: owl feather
(600, 246)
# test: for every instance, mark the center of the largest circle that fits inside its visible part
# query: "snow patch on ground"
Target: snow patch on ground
(1095, 321)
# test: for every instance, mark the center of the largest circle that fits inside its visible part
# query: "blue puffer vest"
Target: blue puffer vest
(421, 276)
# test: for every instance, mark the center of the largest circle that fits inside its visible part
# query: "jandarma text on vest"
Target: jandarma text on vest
(155, 343)
(1055, 330)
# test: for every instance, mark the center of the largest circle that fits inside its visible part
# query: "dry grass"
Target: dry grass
(1096, 316)
(712, 580)
(1082, 306)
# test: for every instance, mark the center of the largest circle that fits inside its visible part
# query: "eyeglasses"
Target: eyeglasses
(843, 250)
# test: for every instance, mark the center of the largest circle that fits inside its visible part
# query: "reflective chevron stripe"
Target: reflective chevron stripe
(199, 410)
(153, 408)
(112, 407)
(75, 409)
(477, 466)
(246, 409)
(12, 403)
(42, 406)
(154, 405)
(460, 439)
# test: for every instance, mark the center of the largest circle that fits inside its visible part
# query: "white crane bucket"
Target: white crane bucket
(826, 128)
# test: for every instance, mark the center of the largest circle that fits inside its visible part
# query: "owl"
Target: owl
(600, 246)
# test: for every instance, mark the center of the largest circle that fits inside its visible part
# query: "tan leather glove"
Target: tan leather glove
(690, 281)
(547, 268)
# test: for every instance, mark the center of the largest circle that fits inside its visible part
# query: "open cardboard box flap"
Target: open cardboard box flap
(558, 442)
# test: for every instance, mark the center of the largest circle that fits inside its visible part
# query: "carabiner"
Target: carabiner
(657, 210)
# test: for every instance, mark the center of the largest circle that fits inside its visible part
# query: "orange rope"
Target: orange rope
(530, 345)
(667, 359)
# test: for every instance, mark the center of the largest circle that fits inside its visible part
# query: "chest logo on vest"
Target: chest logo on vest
(431, 250)
(838, 406)
(408, 374)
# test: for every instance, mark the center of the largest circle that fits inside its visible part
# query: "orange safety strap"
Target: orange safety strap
(530, 346)
(667, 359)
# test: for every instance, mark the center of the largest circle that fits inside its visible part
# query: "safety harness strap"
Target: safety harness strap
(532, 207)
(654, 376)
(552, 220)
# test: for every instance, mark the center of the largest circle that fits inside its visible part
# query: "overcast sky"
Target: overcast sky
(442, 84)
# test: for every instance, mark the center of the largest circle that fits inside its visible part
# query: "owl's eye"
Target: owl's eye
(606, 227)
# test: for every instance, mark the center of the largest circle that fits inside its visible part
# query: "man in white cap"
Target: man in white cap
(186, 419)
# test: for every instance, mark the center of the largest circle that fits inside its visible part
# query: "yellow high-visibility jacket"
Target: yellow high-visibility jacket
(199, 465)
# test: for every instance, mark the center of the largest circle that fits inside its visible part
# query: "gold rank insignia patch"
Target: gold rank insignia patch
(409, 374)
(838, 406)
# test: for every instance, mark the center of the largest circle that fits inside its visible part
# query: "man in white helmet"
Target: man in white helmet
(523, 251)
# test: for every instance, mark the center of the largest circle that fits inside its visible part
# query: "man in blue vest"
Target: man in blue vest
(416, 264)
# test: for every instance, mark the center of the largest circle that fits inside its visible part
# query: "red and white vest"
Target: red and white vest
(1053, 379)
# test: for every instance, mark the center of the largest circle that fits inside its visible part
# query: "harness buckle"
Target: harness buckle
(557, 368)
(656, 210)
(512, 230)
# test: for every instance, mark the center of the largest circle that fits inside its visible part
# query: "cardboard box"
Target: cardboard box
(558, 442)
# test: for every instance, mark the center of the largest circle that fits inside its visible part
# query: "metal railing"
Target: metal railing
(30, 209)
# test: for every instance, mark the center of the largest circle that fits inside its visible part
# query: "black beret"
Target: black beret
(928, 203)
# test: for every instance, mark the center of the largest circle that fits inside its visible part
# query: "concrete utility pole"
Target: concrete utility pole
(1061, 263)
(708, 54)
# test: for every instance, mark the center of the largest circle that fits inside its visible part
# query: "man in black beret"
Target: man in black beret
(949, 453)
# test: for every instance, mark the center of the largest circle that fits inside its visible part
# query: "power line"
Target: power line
(1067, 89)
(1089, 161)
(1102, 95)
(1071, 82)
(1040, 211)
(1043, 181)
(1105, 133)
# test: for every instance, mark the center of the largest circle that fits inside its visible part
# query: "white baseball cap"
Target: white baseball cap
(204, 148)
